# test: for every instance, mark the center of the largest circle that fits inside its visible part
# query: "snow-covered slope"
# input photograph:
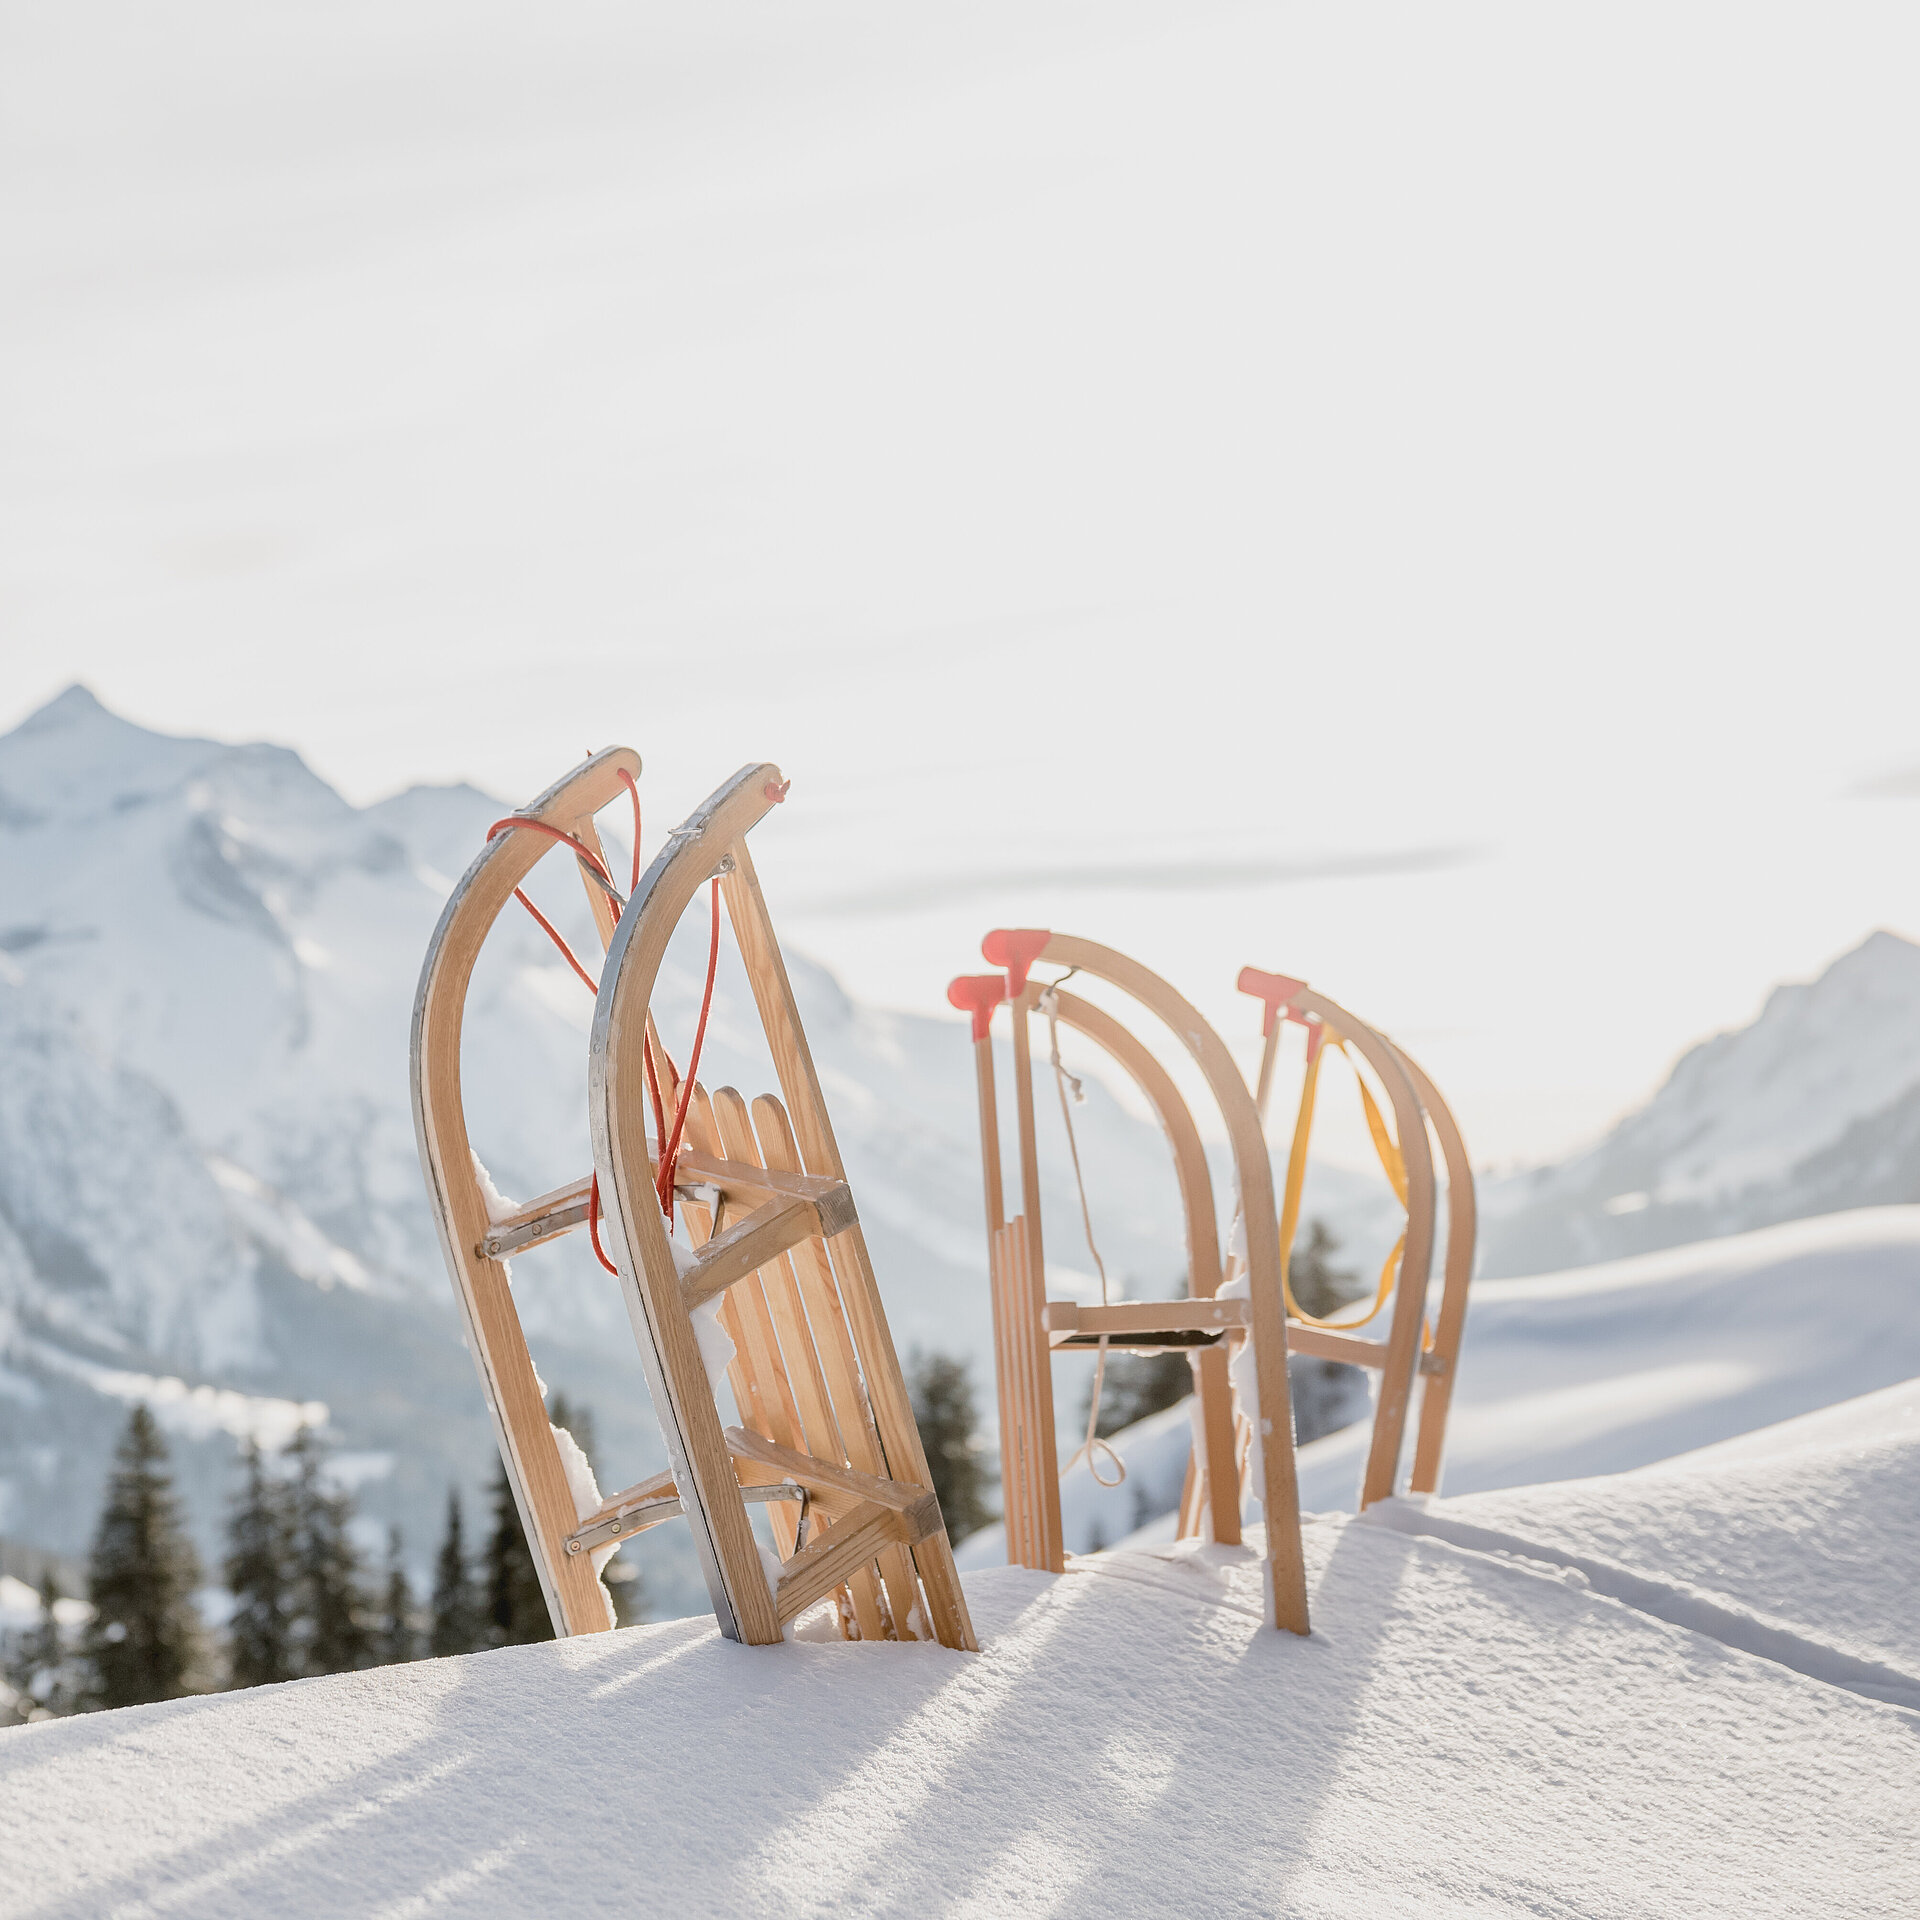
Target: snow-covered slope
(1466, 1733)
(1810, 1527)
(1814, 1107)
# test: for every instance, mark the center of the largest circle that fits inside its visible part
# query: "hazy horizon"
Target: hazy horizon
(1417, 501)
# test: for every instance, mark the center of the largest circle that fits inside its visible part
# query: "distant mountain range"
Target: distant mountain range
(1813, 1108)
(210, 1200)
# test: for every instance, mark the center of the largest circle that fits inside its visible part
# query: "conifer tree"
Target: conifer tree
(1136, 1385)
(259, 1575)
(143, 1642)
(397, 1641)
(41, 1670)
(1327, 1395)
(456, 1624)
(944, 1411)
(1320, 1287)
(334, 1635)
(516, 1608)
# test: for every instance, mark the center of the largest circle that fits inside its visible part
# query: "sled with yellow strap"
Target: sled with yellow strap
(1414, 1347)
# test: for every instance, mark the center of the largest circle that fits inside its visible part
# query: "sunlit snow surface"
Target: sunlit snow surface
(1601, 1370)
(1465, 1733)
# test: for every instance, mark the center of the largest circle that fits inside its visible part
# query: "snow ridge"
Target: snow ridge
(1672, 1600)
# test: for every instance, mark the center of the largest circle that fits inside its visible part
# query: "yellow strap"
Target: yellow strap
(1390, 1159)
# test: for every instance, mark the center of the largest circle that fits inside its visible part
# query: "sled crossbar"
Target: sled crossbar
(1144, 1326)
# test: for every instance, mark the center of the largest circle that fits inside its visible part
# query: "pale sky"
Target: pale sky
(1419, 498)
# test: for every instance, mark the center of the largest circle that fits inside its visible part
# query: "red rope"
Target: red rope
(581, 851)
(633, 794)
(553, 934)
(593, 1226)
(671, 1148)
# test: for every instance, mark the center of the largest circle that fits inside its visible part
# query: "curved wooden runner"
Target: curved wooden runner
(1399, 1359)
(528, 1451)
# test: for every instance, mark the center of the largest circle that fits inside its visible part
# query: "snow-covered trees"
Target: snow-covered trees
(144, 1640)
(42, 1671)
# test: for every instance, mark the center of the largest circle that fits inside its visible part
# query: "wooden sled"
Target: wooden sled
(1410, 1349)
(827, 1441)
(786, 1252)
(1028, 1328)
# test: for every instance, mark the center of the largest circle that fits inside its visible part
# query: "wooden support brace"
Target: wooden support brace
(741, 1181)
(898, 1496)
(546, 1218)
(747, 1246)
(843, 1550)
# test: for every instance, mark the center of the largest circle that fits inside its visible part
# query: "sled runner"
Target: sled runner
(778, 1265)
(1411, 1347)
(1028, 1327)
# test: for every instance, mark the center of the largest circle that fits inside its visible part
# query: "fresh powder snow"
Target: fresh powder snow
(1476, 1726)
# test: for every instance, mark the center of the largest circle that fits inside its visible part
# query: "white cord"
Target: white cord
(1092, 1446)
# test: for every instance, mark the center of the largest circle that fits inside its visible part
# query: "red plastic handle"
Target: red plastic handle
(1016, 949)
(978, 994)
(1272, 990)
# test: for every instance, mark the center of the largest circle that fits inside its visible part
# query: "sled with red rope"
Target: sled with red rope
(1029, 1328)
(775, 1267)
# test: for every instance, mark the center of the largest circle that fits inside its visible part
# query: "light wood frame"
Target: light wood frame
(529, 1454)
(1023, 1337)
(777, 1245)
(1400, 1357)
(905, 1538)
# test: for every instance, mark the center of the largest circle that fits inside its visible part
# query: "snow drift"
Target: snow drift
(1467, 1732)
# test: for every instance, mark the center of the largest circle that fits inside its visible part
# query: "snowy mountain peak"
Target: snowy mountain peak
(1814, 1106)
(74, 760)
